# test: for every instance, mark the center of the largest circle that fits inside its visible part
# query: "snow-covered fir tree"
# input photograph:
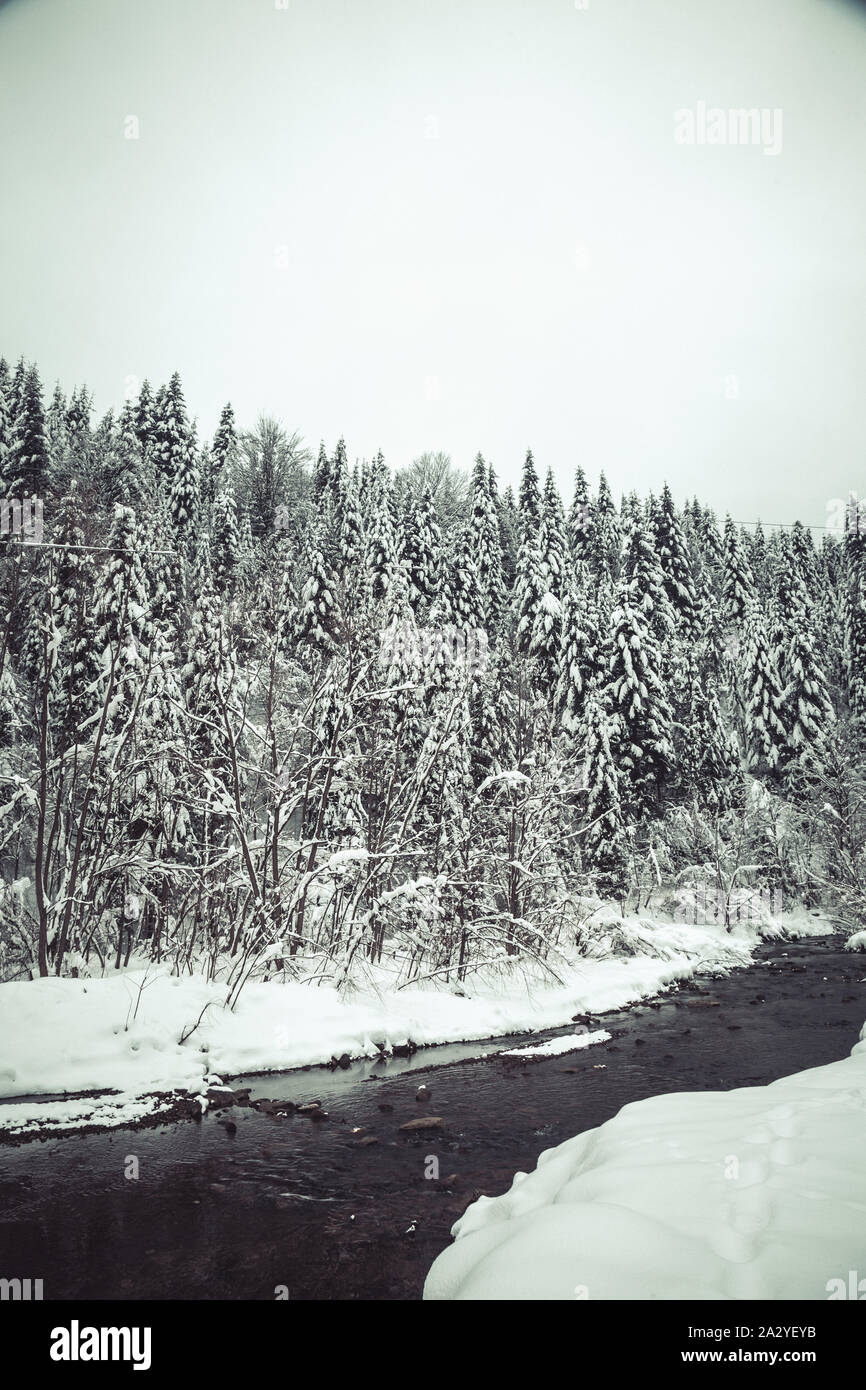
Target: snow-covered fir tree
(603, 846)
(579, 664)
(318, 622)
(765, 733)
(635, 694)
(737, 582)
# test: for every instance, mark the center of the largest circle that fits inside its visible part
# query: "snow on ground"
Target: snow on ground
(123, 1031)
(555, 1047)
(758, 1193)
(64, 1114)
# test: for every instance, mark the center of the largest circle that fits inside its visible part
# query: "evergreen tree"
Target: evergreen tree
(675, 561)
(529, 505)
(737, 584)
(185, 492)
(127, 481)
(226, 542)
(552, 539)
(78, 417)
(759, 561)
(165, 579)
(78, 664)
(462, 597)
(339, 475)
(444, 774)
(580, 517)
(321, 477)
(380, 540)
(711, 547)
(493, 718)
(805, 558)
(28, 460)
(121, 592)
(170, 440)
(486, 546)
(706, 756)
(604, 843)
(145, 417)
(55, 425)
(400, 659)
(636, 696)
(319, 618)
(787, 606)
(529, 591)
(352, 541)
(605, 537)
(223, 454)
(632, 512)
(413, 559)
(808, 710)
(644, 583)
(16, 386)
(508, 534)
(545, 645)
(208, 674)
(579, 662)
(766, 741)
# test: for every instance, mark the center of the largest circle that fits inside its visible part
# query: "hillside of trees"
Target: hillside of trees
(269, 712)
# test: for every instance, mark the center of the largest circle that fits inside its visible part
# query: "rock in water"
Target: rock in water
(274, 1107)
(220, 1096)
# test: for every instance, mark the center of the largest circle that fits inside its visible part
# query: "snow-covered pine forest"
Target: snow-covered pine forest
(271, 712)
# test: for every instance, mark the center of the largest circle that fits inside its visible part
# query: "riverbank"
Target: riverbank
(139, 1045)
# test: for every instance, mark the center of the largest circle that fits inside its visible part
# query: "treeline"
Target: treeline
(265, 711)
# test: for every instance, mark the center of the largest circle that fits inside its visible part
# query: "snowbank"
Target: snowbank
(105, 1111)
(558, 1047)
(758, 1193)
(123, 1031)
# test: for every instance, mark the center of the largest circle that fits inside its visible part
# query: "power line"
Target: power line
(110, 549)
(787, 525)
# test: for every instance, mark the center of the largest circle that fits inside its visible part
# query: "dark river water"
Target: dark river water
(286, 1202)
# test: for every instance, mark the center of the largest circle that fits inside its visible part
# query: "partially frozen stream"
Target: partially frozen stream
(283, 1201)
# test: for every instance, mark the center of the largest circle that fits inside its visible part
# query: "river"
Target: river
(268, 1202)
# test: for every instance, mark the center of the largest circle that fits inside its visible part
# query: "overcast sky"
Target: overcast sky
(455, 224)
